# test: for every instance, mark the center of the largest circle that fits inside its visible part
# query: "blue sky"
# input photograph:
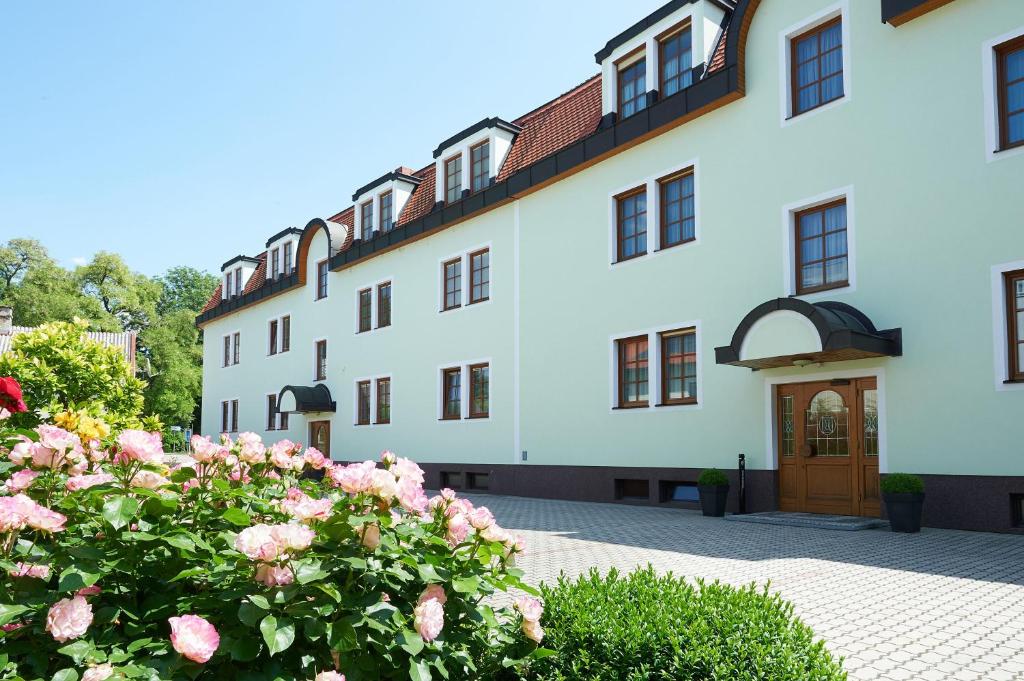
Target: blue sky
(188, 132)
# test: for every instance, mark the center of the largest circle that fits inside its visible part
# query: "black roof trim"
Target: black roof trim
(896, 12)
(387, 177)
(239, 258)
(493, 122)
(315, 398)
(284, 232)
(648, 21)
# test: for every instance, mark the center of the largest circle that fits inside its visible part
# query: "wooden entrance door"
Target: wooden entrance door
(320, 436)
(828, 447)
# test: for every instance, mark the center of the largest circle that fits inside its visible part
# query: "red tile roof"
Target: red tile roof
(718, 57)
(422, 200)
(259, 277)
(214, 300)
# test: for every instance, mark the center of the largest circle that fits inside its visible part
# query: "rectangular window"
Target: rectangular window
(271, 412)
(452, 283)
(631, 224)
(479, 391)
(225, 408)
(821, 250)
(386, 221)
(632, 88)
(321, 280)
(383, 400)
(273, 337)
(366, 213)
(236, 348)
(678, 215)
(679, 367)
(228, 292)
(453, 179)
(227, 351)
(275, 263)
(1010, 75)
(384, 304)
(633, 372)
(365, 310)
(480, 166)
(238, 281)
(282, 419)
(363, 396)
(286, 333)
(288, 258)
(451, 393)
(234, 416)
(320, 361)
(816, 58)
(479, 276)
(675, 57)
(1015, 323)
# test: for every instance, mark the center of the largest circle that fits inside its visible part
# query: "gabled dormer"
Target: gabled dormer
(468, 162)
(379, 204)
(660, 55)
(281, 249)
(235, 275)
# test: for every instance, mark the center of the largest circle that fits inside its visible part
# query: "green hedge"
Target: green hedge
(902, 483)
(645, 627)
(712, 477)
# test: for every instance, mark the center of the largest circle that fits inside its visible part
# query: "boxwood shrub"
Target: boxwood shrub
(712, 477)
(643, 626)
(902, 483)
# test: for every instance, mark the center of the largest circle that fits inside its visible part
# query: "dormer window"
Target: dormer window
(275, 263)
(632, 85)
(386, 196)
(675, 61)
(288, 258)
(228, 284)
(384, 203)
(238, 281)
(366, 218)
(480, 157)
(280, 252)
(453, 179)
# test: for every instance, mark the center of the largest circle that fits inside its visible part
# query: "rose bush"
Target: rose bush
(241, 565)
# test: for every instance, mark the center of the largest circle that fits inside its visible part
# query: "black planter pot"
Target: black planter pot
(904, 510)
(713, 499)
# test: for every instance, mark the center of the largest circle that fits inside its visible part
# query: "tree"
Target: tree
(184, 288)
(128, 296)
(176, 377)
(49, 293)
(16, 258)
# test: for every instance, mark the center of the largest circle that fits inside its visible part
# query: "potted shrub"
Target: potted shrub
(713, 486)
(904, 497)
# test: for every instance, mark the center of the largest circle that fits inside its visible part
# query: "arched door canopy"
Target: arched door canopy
(304, 399)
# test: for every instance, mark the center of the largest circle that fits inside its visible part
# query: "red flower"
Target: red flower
(10, 395)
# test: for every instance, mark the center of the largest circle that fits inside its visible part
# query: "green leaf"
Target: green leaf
(119, 511)
(74, 579)
(189, 572)
(236, 516)
(428, 573)
(410, 642)
(66, 675)
(180, 541)
(76, 651)
(245, 649)
(259, 601)
(466, 585)
(309, 571)
(9, 612)
(343, 636)
(279, 636)
(419, 670)
(249, 614)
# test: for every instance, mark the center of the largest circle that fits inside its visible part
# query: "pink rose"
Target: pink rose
(329, 676)
(68, 618)
(43, 519)
(529, 607)
(20, 481)
(11, 626)
(14, 512)
(149, 480)
(384, 484)
(21, 452)
(138, 445)
(86, 591)
(533, 630)
(315, 459)
(57, 439)
(35, 570)
(411, 496)
(272, 575)
(355, 478)
(257, 542)
(194, 637)
(481, 518)
(204, 450)
(370, 536)
(495, 533)
(305, 508)
(429, 619)
(458, 528)
(292, 536)
(100, 672)
(80, 482)
(4, 414)
(435, 591)
(408, 469)
(251, 449)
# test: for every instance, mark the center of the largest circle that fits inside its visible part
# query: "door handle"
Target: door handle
(807, 451)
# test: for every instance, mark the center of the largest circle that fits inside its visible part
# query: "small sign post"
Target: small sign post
(743, 483)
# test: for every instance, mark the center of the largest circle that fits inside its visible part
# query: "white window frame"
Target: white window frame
(654, 368)
(280, 333)
(789, 256)
(313, 373)
(274, 253)
(233, 414)
(316, 280)
(1000, 326)
(653, 189)
(287, 264)
(463, 257)
(238, 281)
(374, 311)
(990, 86)
(266, 414)
(373, 401)
(840, 9)
(463, 366)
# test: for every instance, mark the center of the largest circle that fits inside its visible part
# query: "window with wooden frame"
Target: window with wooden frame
(365, 310)
(675, 60)
(383, 400)
(1015, 324)
(451, 393)
(632, 87)
(678, 366)
(678, 213)
(236, 347)
(479, 276)
(272, 337)
(275, 263)
(225, 410)
(383, 304)
(321, 280)
(631, 224)
(271, 412)
(451, 273)
(479, 390)
(366, 219)
(1010, 79)
(282, 419)
(320, 361)
(287, 259)
(385, 206)
(453, 179)
(822, 262)
(286, 333)
(228, 285)
(816, 62)
(363, 403)
(234, 416)
(227, 351)
(480, 166)
(633, 368)
(238, 281)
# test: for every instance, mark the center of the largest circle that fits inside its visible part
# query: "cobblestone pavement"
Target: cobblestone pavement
(942, 604)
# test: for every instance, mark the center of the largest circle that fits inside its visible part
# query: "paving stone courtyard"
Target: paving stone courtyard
(943, 604)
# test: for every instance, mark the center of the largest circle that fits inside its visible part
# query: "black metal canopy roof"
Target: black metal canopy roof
(846, 333)
(309, 398)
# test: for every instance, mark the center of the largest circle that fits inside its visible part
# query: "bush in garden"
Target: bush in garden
(644, 626)
(902, 483)
(237, 567)
(60, 369)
